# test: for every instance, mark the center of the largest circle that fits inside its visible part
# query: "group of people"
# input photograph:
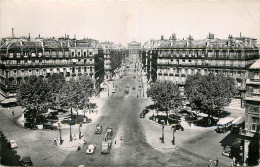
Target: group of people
(213, 163)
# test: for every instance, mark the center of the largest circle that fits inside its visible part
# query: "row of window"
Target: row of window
(71, 53)
(161, 71)
(24, 72)
(201, 62)
(52, 61)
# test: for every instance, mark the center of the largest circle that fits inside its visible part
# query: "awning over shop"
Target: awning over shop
(61, 70)
(55, 70)
(9, 100)
(74, 60)
(48, 70)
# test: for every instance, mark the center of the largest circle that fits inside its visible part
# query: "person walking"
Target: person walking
(232, 164)
(55, 141)
(210, 163)
(13, 112)
(216, 162)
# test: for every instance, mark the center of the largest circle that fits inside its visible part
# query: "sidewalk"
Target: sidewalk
(153, 132)
(93, 116)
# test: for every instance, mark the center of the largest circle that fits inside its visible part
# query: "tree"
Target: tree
(209, 93)
(34, 95)
(165, 94)
(75, 93)
(55, 82)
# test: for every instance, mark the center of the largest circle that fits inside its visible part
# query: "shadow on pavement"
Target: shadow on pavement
(8, 156)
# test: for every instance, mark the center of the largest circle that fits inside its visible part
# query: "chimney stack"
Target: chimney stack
(13, 32)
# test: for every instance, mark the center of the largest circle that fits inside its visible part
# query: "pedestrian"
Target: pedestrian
(216, 162)
(74, 136)
(210, 162)
(55, 141)
(13, 113)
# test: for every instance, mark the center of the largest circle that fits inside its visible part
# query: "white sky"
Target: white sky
(125, 21)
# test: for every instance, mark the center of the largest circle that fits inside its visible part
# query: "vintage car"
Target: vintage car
(13, 144)
(227, 151)
(98, 129)
(91, 148)
(26, 161)
(142, 115)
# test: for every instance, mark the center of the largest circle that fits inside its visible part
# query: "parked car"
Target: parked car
(142, 115)
(227, 151)
(49, 126)
(174, 116)
(184, 113)
(28, 125)
(26, 161)
(98, 129)
(91, 148)
(178, 127)
(13, 144)
(109, 132)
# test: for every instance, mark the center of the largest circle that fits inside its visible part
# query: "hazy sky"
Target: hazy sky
(127, 20)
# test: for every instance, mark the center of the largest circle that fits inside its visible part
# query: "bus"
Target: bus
(224, 124)
(238, 124)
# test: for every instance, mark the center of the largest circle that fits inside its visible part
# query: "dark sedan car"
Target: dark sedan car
(26, 161)
(98, 129)
(142, 115)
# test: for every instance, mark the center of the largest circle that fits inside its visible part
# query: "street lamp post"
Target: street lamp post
(70, 123)
(173, 138)
(59, 124)
(162, 138)
(79, 130)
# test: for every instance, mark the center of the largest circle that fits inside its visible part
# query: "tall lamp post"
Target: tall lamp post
(142, 82)
(162, 138)
(59, 125)
(173, 138)
(70, 123)
(80, 125)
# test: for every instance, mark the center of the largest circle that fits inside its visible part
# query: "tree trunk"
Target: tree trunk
(209, 120)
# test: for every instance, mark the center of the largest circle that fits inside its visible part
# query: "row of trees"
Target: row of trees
(165, 94)
(38, 94)
(210, 93)
(206, 93)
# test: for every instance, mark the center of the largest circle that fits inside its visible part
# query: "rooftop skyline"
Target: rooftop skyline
(123, 22)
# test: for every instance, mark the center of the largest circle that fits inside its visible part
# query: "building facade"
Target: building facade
(23, 57)
(252, 115)
(134, 51)
(114, 55)
(175, 59)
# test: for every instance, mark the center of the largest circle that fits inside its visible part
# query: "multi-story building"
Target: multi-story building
(113, 56)
(175, 59)
(22, 57)
(134, 50)
(252, 115)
